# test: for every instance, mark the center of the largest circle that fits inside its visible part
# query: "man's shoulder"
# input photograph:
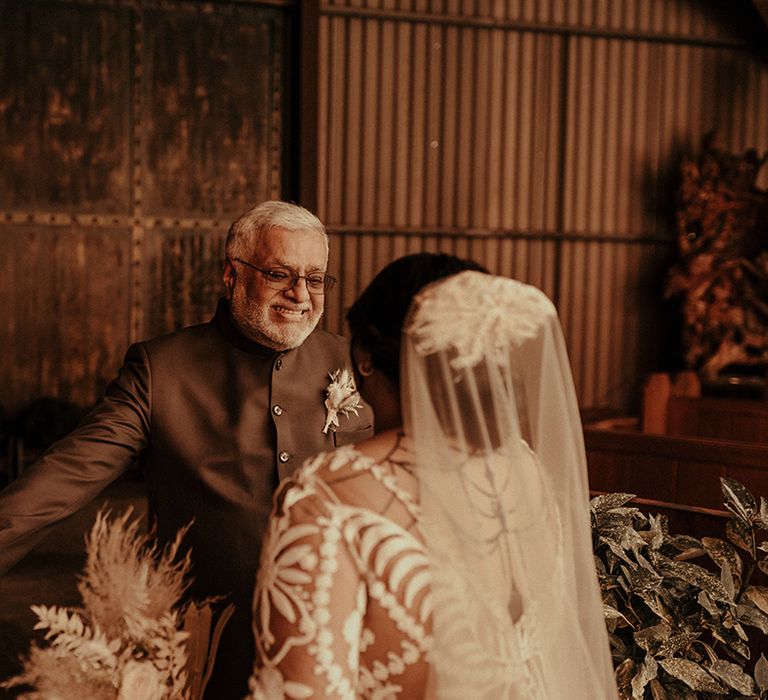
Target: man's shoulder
(324, 343)
(183, 337)
(325, 337)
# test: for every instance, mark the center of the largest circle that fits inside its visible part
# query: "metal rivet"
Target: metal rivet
(277, 410)
(284, 457)
(279, 364)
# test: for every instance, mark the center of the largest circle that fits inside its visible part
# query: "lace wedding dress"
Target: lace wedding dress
(343, 605)
(455, 562)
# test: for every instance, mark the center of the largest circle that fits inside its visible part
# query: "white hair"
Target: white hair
(244, 234)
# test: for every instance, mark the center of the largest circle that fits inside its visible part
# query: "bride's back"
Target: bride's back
(350, 568)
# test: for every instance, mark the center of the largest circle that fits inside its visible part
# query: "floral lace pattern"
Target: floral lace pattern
(342, 607)
(511, 312)
(346, 600)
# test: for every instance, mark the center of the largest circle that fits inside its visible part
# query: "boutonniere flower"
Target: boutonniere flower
(341, 397)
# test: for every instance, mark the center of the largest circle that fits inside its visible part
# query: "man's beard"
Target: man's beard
(254, 321)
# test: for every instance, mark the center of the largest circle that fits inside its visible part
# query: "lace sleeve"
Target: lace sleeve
(308, 603)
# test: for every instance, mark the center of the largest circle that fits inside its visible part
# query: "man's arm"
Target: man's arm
(79, 466)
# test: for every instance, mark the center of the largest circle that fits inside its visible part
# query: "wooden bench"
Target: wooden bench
(677, 476)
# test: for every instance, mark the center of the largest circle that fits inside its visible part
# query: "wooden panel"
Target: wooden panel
(183, 277)
(66, 324)
(64, 107)
(606, 474)
(725, 419)
(211, 123)
(653, 475)
(686, 470)
(699, 479)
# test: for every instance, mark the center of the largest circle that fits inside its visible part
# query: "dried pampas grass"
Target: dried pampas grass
(126, 641)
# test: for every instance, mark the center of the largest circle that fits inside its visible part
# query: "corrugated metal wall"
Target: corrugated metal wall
(540, 138)
(132, 132)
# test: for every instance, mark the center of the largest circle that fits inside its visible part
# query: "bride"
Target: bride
(450, 555)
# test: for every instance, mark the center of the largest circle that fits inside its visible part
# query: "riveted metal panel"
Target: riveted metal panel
(64, 107)
(211, 125)
(132, 132)
(67, 317)
(185, 272)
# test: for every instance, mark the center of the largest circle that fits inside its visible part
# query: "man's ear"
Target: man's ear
(230, 277)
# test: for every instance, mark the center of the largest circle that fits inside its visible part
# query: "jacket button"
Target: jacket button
(279, 363)
(284, 456)
(277, 410)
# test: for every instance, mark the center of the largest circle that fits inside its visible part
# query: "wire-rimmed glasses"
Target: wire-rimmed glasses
(284, 278)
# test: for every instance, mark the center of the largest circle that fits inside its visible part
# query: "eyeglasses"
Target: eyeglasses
(283, 278)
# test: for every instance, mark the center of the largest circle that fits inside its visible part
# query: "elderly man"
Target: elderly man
(216, 414)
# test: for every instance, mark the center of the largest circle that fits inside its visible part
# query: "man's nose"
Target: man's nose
(299, 291)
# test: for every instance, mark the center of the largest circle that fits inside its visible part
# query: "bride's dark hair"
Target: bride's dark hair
(376, 319)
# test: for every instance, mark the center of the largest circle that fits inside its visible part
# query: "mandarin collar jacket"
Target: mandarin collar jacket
(214, 420)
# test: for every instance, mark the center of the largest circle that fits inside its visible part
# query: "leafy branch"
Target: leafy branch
(678, 629)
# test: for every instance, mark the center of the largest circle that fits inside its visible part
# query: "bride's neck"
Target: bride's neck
(384, 397)
(386, 422)
(386, 413)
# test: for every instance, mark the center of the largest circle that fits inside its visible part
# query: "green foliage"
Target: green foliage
(678, 629)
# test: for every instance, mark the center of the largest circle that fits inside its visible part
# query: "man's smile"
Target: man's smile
(289, 312)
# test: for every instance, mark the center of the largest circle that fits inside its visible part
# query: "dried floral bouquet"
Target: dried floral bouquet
(126, 641)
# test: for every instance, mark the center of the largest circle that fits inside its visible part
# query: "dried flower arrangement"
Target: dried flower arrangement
(678, 630)
(341, 397)
(721, 275)
(129, 639)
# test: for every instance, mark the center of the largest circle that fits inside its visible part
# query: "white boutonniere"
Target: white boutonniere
(341, 397)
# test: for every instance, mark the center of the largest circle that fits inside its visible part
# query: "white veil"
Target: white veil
(489, 405)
